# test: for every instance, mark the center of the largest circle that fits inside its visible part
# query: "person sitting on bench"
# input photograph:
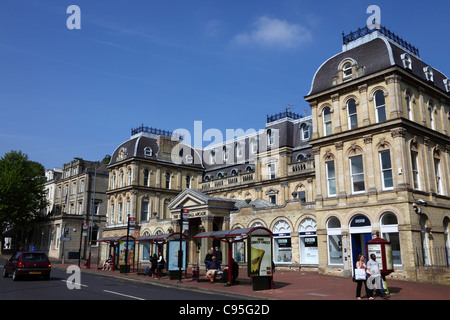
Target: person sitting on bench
(234, 273)
(211, 269)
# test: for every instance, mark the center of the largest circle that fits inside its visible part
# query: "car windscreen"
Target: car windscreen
(36, 257)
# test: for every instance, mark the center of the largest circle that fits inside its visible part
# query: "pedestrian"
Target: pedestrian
(160, 264)
(218, 255)
(208, 257)
(375, 278)
(154, 261)
(361, 265)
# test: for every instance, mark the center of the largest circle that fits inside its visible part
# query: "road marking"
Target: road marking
(75, 284)
(121, 294)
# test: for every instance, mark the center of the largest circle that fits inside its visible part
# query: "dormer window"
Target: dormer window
(428, 73)
(447, 85)
(148, 151)
(347, 71)
(212, 157)
(407, 62)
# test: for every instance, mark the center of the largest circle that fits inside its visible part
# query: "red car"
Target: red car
(27, 264)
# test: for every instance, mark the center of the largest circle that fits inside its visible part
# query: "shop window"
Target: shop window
(334, 238)
(308, 242)
(389, 231)
(282, 242)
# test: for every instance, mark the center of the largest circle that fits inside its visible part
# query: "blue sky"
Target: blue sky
(78, 93)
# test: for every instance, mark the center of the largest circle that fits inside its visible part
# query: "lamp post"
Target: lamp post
(126, 245)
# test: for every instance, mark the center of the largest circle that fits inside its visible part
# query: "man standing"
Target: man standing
(373, 269)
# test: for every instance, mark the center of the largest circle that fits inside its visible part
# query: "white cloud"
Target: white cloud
(272, 32)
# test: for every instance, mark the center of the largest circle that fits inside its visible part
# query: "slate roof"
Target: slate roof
(375, 55)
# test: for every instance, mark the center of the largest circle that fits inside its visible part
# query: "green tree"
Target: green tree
(22, 193)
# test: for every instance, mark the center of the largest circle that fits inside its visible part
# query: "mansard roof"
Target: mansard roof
(373, 53)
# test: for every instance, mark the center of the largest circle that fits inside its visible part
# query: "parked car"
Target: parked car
(28, 264)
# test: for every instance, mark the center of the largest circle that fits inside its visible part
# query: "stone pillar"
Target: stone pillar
(364, 106)
(315, 132)
(336, 114)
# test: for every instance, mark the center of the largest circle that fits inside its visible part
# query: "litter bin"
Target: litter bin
(122, 268)
(262, 283)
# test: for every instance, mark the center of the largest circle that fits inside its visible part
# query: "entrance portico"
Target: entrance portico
(206, 214)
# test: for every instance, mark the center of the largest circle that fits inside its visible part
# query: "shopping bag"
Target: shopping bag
(360, 274)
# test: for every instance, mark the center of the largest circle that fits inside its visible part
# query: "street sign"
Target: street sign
(132, 221)
(185, 214)
(64, 239)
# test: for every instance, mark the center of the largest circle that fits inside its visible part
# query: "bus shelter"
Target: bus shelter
(162, 239)
(117, 246)
(259, 255)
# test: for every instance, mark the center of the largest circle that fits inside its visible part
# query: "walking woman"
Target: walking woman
(360, 264)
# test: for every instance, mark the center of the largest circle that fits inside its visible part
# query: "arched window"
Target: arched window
(146, 177)
(225, 153)
(431, 112)
(380, 106)
(308, 242)
(145, 248)
(167, 176)
(407, 62)
(304, 132)
(352, 114)
(389, 231)
(428, 74)
(409, 106)
(212, 156)
(327, 124)
(425, 242)
(121, 175)
(334, 238)
(270, 137)
(437, 171)
(347, 71)
(148, 152)
(282, 242)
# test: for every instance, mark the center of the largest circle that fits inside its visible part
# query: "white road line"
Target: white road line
(121, 294)
(83, 285)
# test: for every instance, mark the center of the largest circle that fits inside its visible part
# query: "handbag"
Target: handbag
(360, 274)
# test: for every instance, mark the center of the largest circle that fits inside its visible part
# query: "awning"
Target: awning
(114, 239)
(162, 238)
(235, 234)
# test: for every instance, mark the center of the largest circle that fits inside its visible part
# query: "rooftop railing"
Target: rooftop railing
(361, 32)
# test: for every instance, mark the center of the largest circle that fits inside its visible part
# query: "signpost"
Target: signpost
(184, 217)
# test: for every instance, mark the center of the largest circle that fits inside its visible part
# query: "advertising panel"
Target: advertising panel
(174, 247)
(122, 249)
(260, 260)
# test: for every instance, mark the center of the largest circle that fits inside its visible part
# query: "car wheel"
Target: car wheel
(15, 277)
(5, 273)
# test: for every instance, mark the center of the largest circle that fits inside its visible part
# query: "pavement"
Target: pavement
(287, 285)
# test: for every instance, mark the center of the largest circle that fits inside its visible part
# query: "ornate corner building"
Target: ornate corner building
(372, 157)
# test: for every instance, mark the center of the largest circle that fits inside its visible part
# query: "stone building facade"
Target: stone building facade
(373, 158)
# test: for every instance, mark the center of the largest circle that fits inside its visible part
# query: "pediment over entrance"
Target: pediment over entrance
(196, 200)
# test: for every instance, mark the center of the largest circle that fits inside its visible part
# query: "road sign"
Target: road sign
(132, 221)
(185, 214)
(64, 239)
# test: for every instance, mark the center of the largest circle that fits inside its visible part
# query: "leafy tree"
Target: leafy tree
(106, 159)
(22, 193)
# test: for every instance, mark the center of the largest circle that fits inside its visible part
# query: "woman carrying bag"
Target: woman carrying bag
(360, 278)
